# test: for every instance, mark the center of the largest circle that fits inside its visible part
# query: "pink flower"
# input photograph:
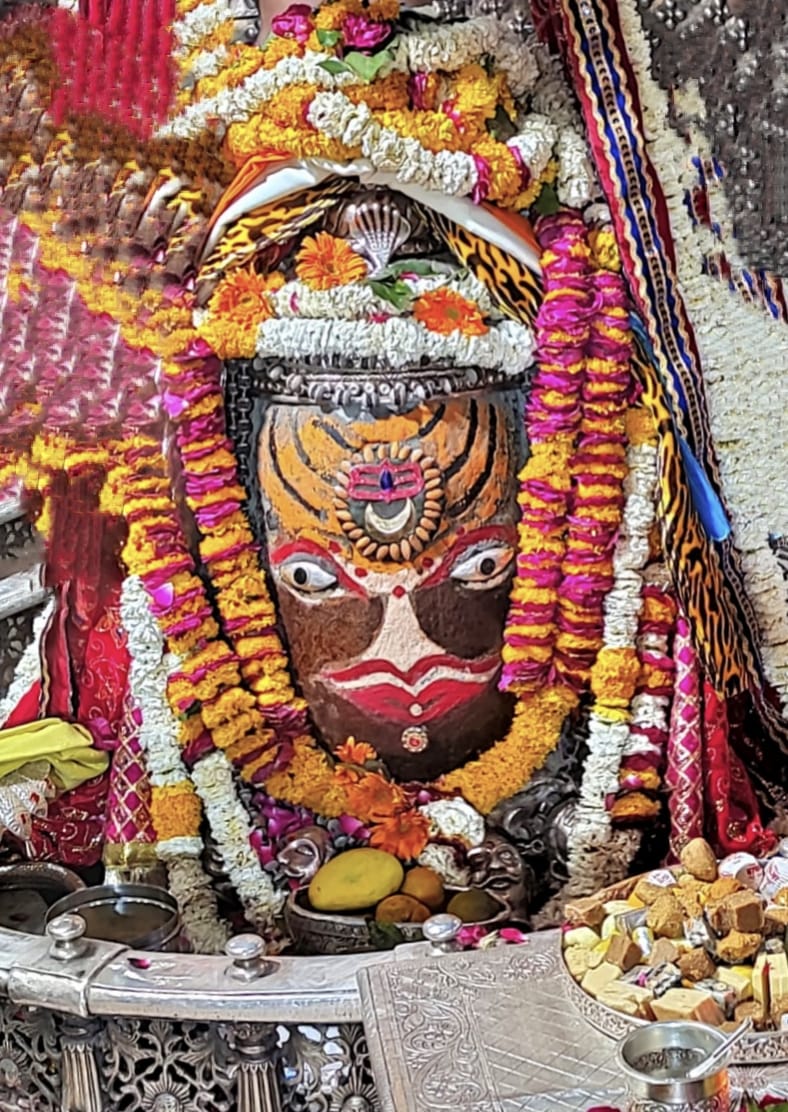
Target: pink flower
(294, 23)
(363, 33)
(417, 89)
(470, 936)
(512, 935)
(483, 179)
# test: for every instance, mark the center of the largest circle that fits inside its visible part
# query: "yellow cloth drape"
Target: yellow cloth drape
(67, 749)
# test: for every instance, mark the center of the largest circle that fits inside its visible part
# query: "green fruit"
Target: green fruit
(354, 880)
(473, 906)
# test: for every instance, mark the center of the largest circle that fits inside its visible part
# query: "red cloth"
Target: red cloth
(733, 809)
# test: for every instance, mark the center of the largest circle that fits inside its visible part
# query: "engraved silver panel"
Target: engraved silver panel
(494, 1031)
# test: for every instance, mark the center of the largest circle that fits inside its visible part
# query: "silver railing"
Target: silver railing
(89, 1026)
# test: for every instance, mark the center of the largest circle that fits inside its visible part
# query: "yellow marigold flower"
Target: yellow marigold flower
(324, 262)
(332, 16)
(278, 48)
(238, 306)
(383, 10)
(446, 311)
(604, 249)
(287, 108)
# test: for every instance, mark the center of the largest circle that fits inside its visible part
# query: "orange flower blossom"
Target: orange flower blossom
(325, 261)
(447, 311)
(405, 835)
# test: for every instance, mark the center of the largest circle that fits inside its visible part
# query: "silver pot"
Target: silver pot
(319, 932)
(656, 1060)
(28, 889)
(137, 915)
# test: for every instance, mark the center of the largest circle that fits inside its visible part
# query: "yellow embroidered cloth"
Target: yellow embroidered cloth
(67, 749)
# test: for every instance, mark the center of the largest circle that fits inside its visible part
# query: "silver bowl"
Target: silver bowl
(657, 1059)
(137, 915)
(28, 889)
(318, 932)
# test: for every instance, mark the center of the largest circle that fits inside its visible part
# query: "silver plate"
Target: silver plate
(757, 1048)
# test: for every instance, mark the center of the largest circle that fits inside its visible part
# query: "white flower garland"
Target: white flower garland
(199, 22)
(208, 63)
(158, 739)
(452, 172)
(399, 342)
(448, 48)
(740, 347)
(213, 779)
(535, 140)
(576, 185)
(28, 669)
(599, 854)
(358, 300)
(242, 102)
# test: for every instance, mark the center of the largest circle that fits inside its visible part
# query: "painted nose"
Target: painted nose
(400, 639)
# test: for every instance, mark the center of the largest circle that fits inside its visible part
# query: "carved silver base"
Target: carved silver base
(53, 1063)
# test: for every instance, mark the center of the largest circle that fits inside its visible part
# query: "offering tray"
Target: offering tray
(754, 1048)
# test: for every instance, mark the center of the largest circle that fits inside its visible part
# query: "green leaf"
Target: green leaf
(368, 66)
(384, 936)
(331, 65)
(409, 266)
(396, 293)
(328, 38)
(546, 204)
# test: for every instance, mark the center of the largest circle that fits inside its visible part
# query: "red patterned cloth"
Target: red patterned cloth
(684, 775)
(734, 809)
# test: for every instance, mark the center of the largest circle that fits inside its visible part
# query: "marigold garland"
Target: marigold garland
(552, 419)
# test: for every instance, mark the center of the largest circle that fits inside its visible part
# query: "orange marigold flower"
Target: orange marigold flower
(356, 752)
(374, 798)
(325, 261)
(405, 835)
(447, 311)
(244, 296)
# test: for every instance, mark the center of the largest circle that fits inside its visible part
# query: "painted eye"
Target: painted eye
(307, 577)
(485, 568)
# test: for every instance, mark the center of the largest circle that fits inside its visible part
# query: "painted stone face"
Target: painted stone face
(392, 542)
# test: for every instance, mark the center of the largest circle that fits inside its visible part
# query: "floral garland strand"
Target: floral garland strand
(175, 809)
(645, 754)
(205, 694)
(598, 853)
(598, 471)
(552, 421)
(232, 558)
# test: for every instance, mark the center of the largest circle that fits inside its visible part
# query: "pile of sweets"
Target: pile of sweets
(703, 941)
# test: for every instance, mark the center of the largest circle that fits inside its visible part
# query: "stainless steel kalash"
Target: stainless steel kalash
(657, 1061)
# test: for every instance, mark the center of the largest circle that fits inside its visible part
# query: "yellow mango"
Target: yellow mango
(354, 880)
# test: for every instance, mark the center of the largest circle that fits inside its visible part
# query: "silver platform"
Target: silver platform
(495, 1031)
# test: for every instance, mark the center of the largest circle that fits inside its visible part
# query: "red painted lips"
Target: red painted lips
(430, 689)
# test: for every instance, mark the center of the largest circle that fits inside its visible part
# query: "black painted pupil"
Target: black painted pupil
(300, 576)
(487, 566)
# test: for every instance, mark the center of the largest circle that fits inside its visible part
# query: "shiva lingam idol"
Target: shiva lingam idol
(351, 504)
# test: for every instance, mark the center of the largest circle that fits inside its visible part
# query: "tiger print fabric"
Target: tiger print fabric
(700, 570)
(271, 224)
(515, 289)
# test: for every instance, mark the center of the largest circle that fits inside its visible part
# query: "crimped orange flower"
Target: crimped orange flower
(325, 261)
(374, 798)
(405, 835)
(447, 311)
(243, 295)
(356, 752)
